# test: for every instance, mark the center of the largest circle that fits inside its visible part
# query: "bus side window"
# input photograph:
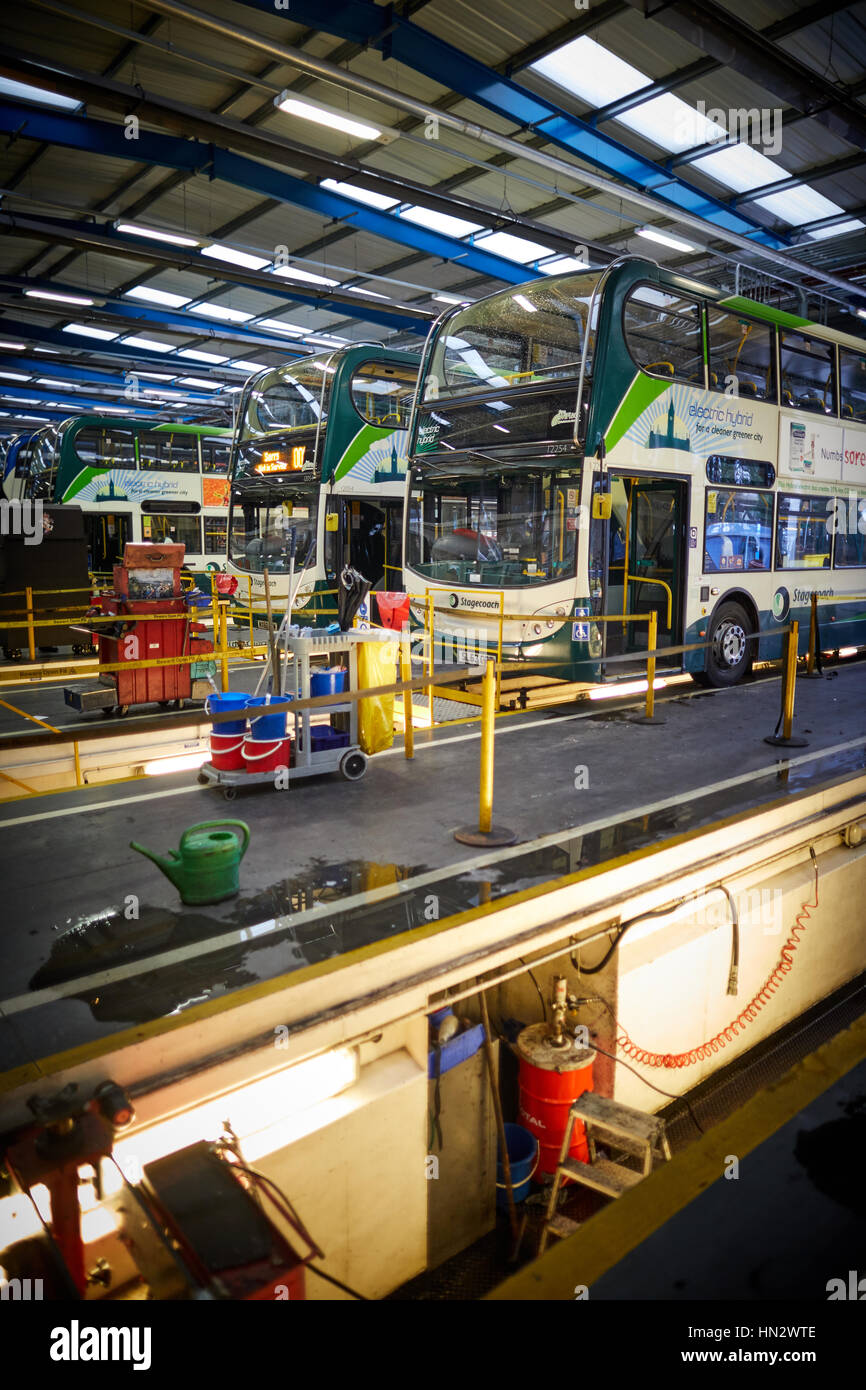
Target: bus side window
(737, 530)
(852, 385)
(663, 333)
(808, 372)
(802, 532)
(741, 355)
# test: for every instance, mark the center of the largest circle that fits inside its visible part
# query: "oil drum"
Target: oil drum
(551, 1079)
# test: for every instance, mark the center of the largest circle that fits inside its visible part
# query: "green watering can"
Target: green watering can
(205, 868)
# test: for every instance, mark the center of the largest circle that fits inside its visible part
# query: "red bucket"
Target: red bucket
(266, 755)
(226, 752)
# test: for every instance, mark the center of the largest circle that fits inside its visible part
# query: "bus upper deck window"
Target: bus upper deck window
(168, 451)
(382, 393)
(663, 333)
(852, 384)
(741, 356)
(808, 368)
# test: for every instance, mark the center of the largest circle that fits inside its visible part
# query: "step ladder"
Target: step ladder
(636, 1132)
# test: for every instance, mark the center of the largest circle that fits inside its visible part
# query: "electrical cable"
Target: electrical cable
(747, 1015)
(538, 988)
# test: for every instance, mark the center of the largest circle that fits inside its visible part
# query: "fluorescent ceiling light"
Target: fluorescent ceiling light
(174, 238)
(156, 376)
(562, 264)
(26, 400)
(6, 345)
(147, 344)
(862, 313)
(326, 115)
(25, 92)
(665, 239)
(502, 429)
(250, 367)
(278, 326)
(19, 376)
(116, 409)
(525, 303)
(361, 195)
(61, 298)
(86, 331)
(199, 381)
(52, 381)
(292, 273)
(441, 222)
(450, 299)
(198, 356)
(172, 301)
(228, 253)
(514, 248)
(220, 311)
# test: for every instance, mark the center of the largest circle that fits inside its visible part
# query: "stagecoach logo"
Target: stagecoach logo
(458, 601)
(564, 417)
(781, 605)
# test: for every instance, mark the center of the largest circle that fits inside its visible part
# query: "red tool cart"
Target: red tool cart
(153, 623)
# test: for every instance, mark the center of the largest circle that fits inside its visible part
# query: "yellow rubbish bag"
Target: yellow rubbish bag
(377, 665)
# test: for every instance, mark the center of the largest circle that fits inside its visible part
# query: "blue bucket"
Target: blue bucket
(523, 1157)
(221, 704)
(266, 728)
(329, 682)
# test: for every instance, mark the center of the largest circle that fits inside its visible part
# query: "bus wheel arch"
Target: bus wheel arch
(730, 655)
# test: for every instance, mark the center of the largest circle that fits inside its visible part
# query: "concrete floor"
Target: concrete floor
(68, 868)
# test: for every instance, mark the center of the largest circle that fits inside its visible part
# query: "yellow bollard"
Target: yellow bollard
(651, 664)
(487, 833)
(406, 675)
(31, 634)
(789, 681)
(431, 621)
(649, 715)
(813, 659)
(224, 646)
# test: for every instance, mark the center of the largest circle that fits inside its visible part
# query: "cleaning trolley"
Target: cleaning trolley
(258, 745)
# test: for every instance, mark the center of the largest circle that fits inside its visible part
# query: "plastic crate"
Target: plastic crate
(456, 1050)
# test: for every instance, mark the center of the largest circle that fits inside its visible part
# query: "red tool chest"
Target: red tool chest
(144, 641)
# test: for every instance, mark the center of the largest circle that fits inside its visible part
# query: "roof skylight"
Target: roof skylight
(590, 71)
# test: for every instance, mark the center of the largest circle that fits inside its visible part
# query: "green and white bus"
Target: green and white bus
(320, 454)
(624, 439)
(135, 481)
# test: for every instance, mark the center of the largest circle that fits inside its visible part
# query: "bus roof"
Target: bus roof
(157, 426)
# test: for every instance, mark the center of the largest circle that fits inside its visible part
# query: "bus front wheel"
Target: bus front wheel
(730, 653)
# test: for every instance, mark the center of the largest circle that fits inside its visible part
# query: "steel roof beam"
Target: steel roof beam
(425, 52)
(735, 44)
(86, 237)
(194, 156)
(702, 67)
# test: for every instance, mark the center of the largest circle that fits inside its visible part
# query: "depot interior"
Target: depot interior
(474, 986)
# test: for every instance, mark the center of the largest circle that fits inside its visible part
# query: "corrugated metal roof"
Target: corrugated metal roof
(69, 183)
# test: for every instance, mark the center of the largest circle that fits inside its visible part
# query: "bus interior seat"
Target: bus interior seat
(748, 388)
(810, 400)
(847, 411)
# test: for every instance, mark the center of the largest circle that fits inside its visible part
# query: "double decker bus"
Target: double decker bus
(319, 461)
(627, 439)
(135, 481)
(14, 463)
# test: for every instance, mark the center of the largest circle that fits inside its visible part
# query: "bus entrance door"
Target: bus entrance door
(636, 561)
(655, 559)
(107, 534)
